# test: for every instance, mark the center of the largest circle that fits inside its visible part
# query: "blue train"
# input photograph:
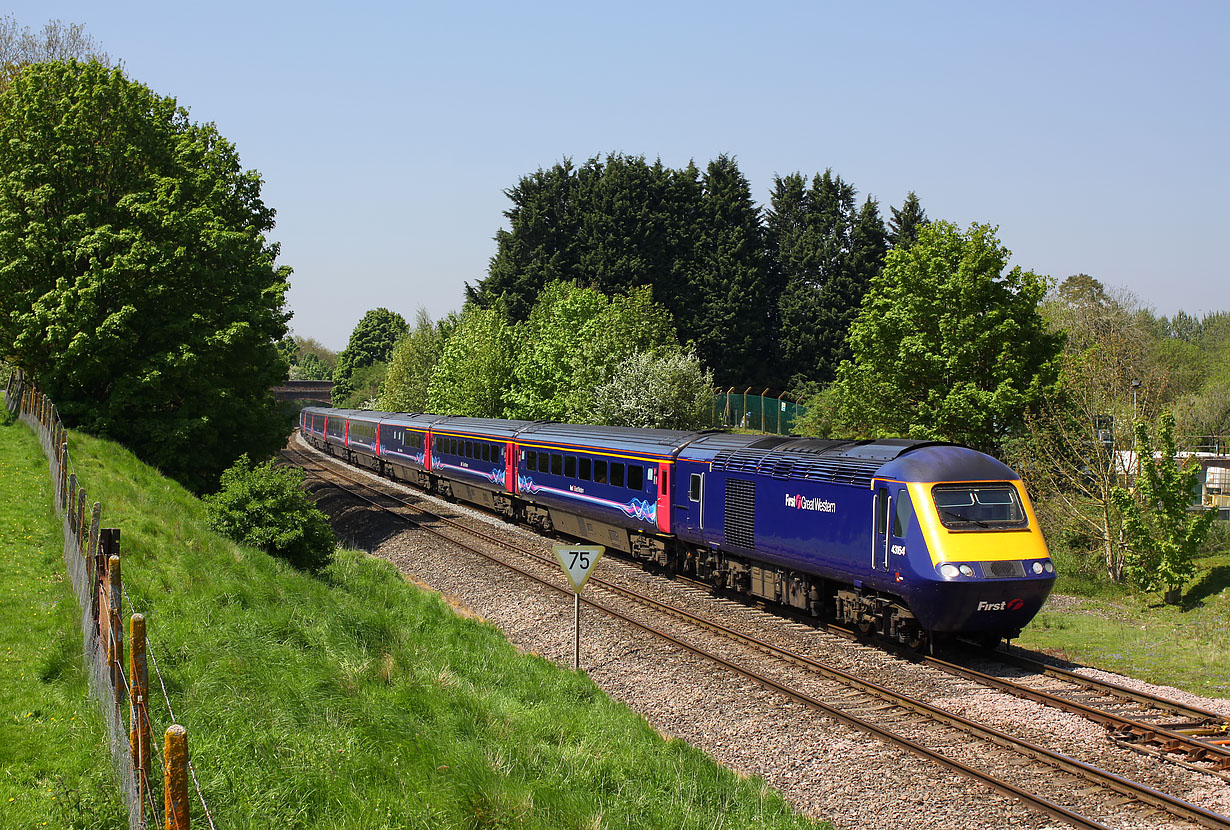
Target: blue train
(917, 541)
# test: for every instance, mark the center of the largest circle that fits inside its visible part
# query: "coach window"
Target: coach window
(600, 472)
(636, 476)
(586, 469)
(617, 474)
(486, 452)
(570, 466)
(531, 461)
(557, 464)
(903, 514)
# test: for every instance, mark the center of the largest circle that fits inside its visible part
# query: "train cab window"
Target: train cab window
(531, 461)
(694, 487)
(586, 469)
(600, 472)
(903, 513)
(617, 474)
(557, 464)
(570, 466)
(636, 476)
(979, 506)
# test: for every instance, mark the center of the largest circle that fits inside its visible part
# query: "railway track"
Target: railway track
(891, 716)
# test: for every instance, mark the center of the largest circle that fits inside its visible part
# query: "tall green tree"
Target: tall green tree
(542, 244)
(370, 343)
(57, 41)
(735, 331)
(414, 359)
(1071, 454)
(826, 253)
(1163, 535)
(903, 224)
(574, 341)
(475, 368)
(136, 283)
(947, 345)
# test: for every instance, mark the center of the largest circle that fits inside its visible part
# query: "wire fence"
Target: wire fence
(92, 559)
(755, 408)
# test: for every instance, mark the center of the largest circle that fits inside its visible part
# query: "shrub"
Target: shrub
(264, 506)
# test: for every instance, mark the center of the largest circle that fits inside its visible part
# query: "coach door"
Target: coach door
(879, 539)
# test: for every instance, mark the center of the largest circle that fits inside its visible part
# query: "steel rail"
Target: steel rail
(1170, 804)
(1129, 731)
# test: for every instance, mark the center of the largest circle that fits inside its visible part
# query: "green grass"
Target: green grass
(1116, 628)
(354, 700)
(55, 768)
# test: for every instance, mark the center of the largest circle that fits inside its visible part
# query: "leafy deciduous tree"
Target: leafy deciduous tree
(58, 41)
(1163, 536)
(414, 359)
(136, 285)
(946, 345)
(371, 342)
(473, 373)
(648, 391)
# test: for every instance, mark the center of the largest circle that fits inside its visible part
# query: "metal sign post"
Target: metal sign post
(578, 562)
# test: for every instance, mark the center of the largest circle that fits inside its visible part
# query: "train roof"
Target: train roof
(846, 462)
(484, 427)
(653, 442)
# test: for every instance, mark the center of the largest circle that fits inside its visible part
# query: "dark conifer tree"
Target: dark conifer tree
(737, 300)
(827, 253)
(542, 244)
(904, 224)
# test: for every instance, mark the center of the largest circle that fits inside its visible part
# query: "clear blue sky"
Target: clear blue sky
(1094, 134)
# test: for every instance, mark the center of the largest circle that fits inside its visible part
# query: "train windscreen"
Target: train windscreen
(979, 506)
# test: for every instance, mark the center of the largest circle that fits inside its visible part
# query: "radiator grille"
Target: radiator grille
(1012, 569)
(741, 513)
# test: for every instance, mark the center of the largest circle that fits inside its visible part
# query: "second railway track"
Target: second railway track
(924, 729)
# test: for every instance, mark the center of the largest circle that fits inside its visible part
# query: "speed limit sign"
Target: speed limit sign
(578, 562)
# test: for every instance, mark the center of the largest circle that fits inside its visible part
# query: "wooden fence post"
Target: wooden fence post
(63, 487)
(138, 712)
(175, 777)
(115, 647)
(108, 546)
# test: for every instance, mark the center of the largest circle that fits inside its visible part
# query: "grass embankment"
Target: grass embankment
(354, 700)
(54, 760)
(1118, 629)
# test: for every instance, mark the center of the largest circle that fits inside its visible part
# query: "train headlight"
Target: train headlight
(949, 571)
(966, 570)
(1050, 569)
(1037, 569)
